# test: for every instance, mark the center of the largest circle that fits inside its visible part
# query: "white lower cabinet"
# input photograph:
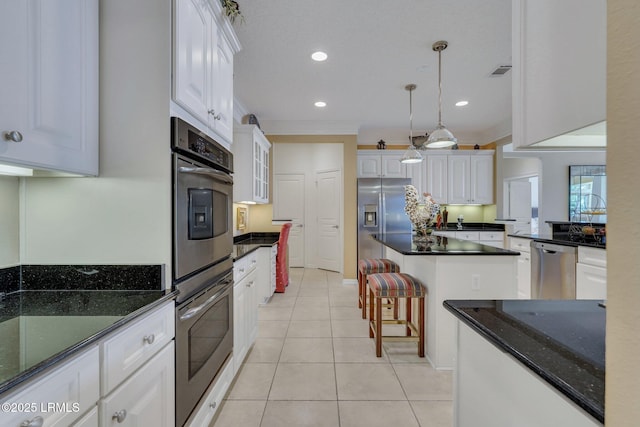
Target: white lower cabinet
(245, 318)
(146, 398)
(73, 387)
(245, 307)
(210, 404)
(129, 348)
(591, 273)
(266, 273)
(524, 265)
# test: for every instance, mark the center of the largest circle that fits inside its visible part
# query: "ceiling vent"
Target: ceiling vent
(501, 70)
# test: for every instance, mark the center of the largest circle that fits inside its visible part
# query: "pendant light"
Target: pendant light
(441, 136)
(412, 155)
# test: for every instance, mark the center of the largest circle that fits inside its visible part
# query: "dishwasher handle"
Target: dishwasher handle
(551, 248)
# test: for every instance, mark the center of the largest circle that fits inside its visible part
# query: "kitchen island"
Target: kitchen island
(529, 362)
(451, 269)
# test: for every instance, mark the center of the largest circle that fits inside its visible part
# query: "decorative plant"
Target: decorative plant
(232, 10)
(422, 213)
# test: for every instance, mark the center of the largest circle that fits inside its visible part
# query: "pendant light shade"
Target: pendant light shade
(440, 137)
(412, 155)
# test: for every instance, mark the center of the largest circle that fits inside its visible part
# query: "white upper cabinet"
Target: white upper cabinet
(251, 165)
(380, 164)
(436, 177)
(470, 179)
(559, 67)
(49, 85)
(203, 64)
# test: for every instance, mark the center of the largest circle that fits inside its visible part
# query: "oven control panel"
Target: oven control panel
(191, 141)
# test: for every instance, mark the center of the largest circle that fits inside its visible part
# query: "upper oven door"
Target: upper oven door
(202, 208)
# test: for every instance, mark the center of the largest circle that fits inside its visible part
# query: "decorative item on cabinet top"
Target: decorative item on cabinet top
(232, 10)
(241, 218)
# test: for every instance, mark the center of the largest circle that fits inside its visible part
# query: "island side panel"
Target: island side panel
(456, 277)
(492, 388)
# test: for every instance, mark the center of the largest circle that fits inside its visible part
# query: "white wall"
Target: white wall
(9, 221)
(124, 215)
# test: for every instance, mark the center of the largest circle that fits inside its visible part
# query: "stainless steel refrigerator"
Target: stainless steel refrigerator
(380, 211)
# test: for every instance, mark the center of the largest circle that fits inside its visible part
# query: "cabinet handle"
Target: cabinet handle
(213, 113)
(35, 422)
(241, 270)
(149, 339)
(250, 284)
(13, 136)
(213, 405)
(120, 415)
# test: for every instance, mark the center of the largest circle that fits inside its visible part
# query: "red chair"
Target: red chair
(282, 272)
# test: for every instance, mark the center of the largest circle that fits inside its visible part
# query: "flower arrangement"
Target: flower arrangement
(232, 10)
(422, 213)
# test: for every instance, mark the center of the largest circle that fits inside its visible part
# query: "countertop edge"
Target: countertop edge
(50, 362)
(551, 379)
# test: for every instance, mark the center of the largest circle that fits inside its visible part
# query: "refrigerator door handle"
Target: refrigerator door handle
(383, 210)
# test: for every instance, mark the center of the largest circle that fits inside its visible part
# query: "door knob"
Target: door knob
(13, 136)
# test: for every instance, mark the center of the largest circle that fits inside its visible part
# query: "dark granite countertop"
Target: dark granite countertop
(49, 313)
(562, 341)
(560, 241)
(406, 245)
(247, 243)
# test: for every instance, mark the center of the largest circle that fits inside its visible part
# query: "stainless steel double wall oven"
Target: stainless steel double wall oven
(202, 263)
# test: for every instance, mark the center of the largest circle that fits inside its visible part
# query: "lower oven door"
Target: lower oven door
(204, 339)
(202, 208)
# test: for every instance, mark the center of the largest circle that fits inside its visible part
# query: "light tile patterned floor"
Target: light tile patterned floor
(314, 365)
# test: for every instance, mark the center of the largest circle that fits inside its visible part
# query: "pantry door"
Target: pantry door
(288, 204)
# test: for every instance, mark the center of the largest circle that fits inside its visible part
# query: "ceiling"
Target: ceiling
(375, 49)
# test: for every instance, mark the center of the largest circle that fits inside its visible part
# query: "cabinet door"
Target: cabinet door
(436, 178)
(75, 385)
(147, 398)
(481, 179)
(49, 85)
(222, 88)
(392, 167)
(458, 179)
(416, 172)
(524, 275)
(369, 166)
(193, 56)
(549, 96)
(245, 317)
(591, 282)
(260, 168)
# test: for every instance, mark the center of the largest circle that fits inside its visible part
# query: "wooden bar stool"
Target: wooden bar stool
(395, 285)
(371, 266)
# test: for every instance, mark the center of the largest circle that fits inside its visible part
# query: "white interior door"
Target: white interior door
(329, 227)
(288, 203)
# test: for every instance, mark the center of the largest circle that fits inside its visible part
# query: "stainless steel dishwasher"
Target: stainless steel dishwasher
(553, 271)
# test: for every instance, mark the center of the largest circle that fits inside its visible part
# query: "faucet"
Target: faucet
(460, 219)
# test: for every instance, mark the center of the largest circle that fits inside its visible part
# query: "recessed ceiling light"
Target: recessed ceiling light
(319, 56)
(461, 103)
(320, 104)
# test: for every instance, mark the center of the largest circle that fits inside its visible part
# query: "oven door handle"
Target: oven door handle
(195, 310)
(217, 175)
